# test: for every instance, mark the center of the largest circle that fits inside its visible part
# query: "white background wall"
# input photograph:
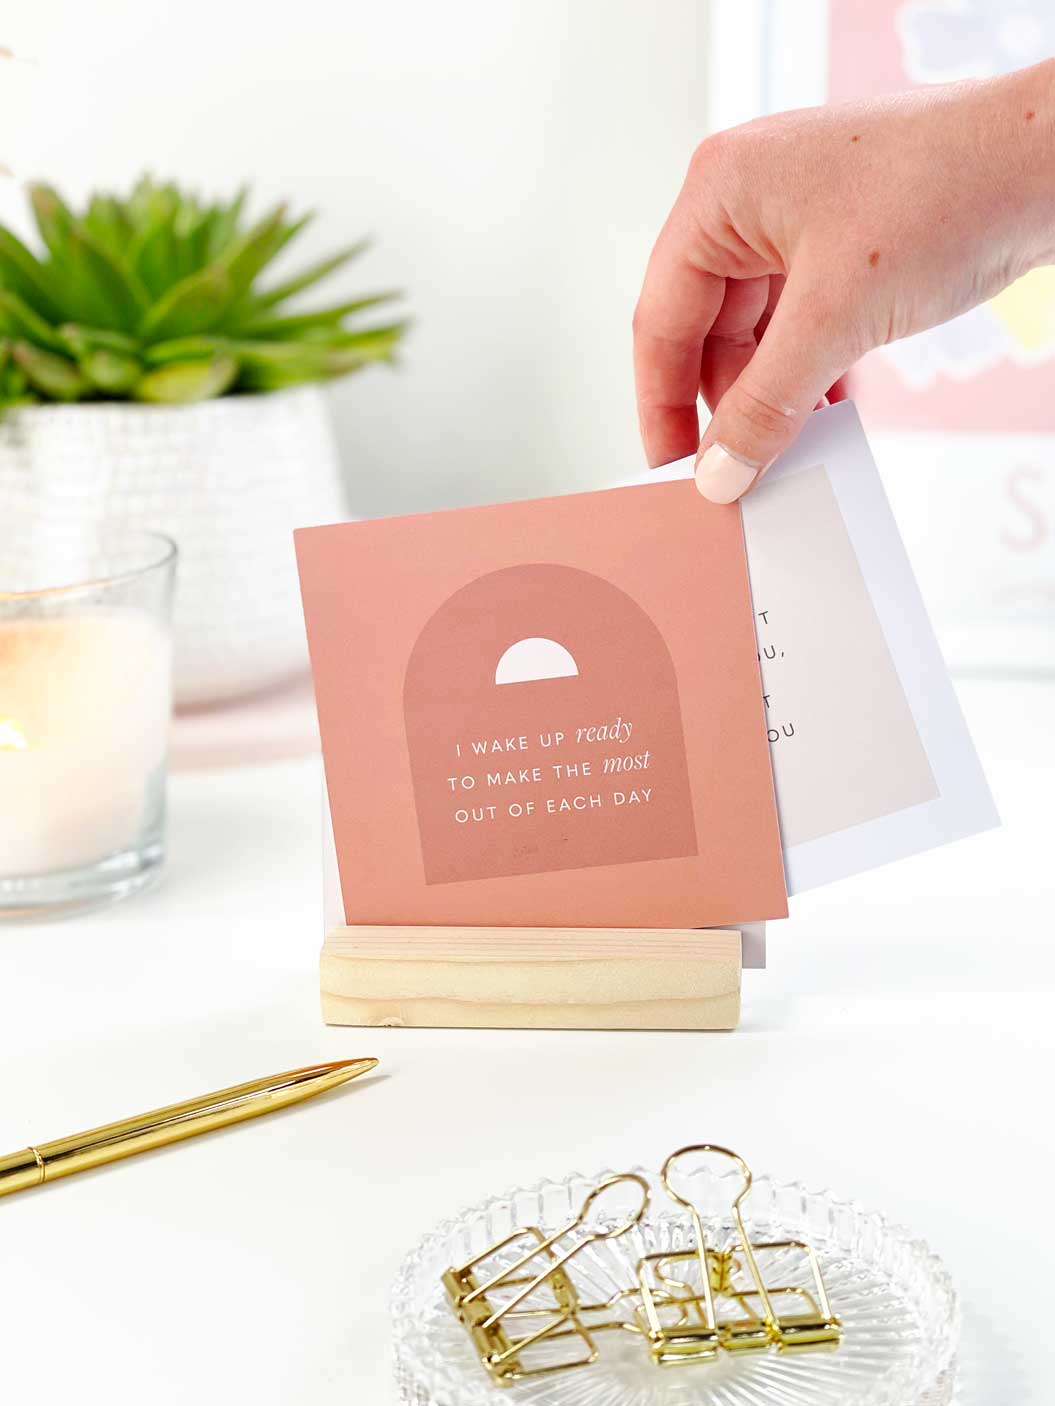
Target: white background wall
(513, 159)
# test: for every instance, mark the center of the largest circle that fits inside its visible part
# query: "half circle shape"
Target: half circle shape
(535, 658)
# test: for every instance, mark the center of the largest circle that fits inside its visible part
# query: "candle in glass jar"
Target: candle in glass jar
(84, 712)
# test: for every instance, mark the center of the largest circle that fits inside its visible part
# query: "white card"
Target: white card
(872, 760)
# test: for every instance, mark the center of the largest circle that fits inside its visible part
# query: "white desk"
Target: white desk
(899, 1049)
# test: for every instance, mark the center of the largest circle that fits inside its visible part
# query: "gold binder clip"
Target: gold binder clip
(542, 1295)
(720, 1294)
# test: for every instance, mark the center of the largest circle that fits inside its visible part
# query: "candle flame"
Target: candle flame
(12, 739)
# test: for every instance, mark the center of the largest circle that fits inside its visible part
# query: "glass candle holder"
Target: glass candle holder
(85, 699)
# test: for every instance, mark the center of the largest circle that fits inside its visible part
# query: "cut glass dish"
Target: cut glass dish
(897, 1305)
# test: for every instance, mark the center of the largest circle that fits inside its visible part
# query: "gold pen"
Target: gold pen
(34, 1165)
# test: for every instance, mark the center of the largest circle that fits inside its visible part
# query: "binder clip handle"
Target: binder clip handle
(701, 1149)
(633, 1217)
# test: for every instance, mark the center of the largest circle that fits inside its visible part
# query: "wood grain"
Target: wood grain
(556, 978)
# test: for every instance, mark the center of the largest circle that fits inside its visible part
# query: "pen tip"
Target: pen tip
(331, 1074)
(355, 1066)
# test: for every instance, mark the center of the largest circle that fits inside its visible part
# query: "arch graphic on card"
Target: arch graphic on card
(544, 674)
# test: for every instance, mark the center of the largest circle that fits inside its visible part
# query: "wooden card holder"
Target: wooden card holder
(529, 978)
(555, 978)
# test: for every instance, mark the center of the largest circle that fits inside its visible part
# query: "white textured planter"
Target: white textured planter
(229, 479)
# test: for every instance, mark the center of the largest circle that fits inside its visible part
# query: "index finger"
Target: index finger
(679, 301)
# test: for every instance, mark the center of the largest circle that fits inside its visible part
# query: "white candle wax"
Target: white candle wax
(84, 712)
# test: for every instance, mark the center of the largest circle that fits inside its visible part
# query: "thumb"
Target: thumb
(764, 409)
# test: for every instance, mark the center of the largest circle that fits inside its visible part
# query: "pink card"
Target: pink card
(544, 714)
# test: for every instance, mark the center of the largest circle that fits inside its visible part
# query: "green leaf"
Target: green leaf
(18, 319)
(111, 371)
(53, 217)
(267, 366)
(96, 289)
(13, 383)
(107, 221)
(150, 201)
(187, 226)
(81, 340)
(295, 325)
(245, 258)
(199, 348)
(370, 343)
(26, 276)
(54, 376)
(194, 245)
(186, 381)
(173, 243)
(309, 276)
(194, 304)
(10, 371)
(153, 257)
(225, 225)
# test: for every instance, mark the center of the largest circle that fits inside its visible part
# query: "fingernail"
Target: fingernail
(721, 476)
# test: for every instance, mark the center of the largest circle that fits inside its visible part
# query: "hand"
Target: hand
(801, 241)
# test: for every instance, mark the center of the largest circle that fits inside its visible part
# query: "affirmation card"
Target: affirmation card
(872, 760)
(544, 714)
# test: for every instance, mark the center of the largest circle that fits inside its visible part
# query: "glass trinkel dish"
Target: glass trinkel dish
(897, 1305)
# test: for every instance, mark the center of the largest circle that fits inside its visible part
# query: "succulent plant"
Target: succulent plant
(157, 297)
